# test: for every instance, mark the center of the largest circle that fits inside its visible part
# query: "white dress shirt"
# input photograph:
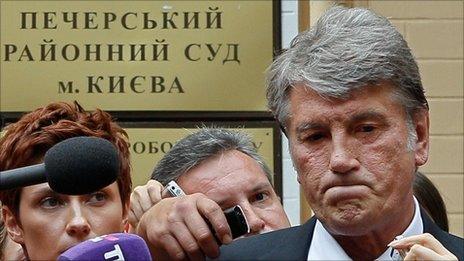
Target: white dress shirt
(325, 247)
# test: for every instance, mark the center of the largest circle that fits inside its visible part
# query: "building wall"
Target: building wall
(290, 187)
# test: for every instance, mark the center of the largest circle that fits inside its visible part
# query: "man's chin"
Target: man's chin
(353, 223)
(351, 230)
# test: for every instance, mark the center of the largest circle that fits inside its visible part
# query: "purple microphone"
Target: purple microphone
(118, 246)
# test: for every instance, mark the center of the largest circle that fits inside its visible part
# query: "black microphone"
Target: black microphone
(75, 166)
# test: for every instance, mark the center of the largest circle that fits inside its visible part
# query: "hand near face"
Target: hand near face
(177, 228)
(142, 199)
(423, 247)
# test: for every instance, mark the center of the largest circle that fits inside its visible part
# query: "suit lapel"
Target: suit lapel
(296, 241)
(452, 243)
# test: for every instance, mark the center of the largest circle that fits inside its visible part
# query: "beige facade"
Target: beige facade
(434, 31)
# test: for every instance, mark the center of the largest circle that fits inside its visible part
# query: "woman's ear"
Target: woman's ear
(12, 225)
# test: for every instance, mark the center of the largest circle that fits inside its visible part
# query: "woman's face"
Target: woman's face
(50, 223)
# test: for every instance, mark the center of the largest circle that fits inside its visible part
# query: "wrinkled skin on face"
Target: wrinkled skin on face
(234, 178)
(353, 160)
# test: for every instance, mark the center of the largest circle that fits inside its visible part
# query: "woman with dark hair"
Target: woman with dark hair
(46, 223)
(430, 199)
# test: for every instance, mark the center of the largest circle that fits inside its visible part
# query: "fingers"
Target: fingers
(132, 221)
(215, 216)
(419, 252)
(199, 212)
(136, 211)
(425, 240)
(142, 199)
(155, 190)
(170, 250)
(423, 247)
(202, 234)
(188, 244)
(153, 227)
(178, 227)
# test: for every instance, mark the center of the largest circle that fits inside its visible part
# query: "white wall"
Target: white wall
(291, 188)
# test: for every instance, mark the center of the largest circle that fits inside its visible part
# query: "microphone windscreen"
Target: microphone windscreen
(81, 165)
(118, 246)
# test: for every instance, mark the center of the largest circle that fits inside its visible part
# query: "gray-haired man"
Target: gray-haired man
(349, 97)
(217, 169)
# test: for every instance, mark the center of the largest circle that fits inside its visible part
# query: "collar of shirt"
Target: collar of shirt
(325, 247)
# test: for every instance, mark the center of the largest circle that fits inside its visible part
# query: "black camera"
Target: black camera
(237, 221)
(234, 215)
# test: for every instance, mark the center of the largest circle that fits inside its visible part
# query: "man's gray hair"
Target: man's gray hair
(346, 50)
(200, 146)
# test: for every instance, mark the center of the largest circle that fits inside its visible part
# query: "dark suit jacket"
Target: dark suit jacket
(293, 243)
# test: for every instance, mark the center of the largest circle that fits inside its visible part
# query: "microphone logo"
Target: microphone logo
(104, 237)
(114, 255)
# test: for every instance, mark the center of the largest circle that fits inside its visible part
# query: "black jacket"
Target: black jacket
(293, 243)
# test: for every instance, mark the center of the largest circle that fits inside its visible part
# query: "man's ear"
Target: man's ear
(421, 125)
(12, 225)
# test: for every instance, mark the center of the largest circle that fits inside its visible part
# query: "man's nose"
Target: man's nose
(255, 222)
(78, 226)
(343, 156)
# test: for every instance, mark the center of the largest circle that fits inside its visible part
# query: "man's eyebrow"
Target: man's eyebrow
(308, 126)
(368, 115)
(261, 186)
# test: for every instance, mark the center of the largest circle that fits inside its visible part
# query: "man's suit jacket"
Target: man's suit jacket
(293, 243)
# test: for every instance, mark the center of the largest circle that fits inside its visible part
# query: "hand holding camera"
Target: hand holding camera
(188, 226)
